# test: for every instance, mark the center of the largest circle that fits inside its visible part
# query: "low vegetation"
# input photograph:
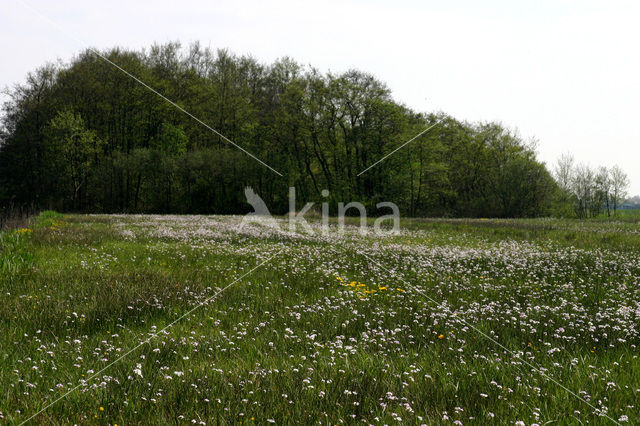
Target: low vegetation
(176, 319)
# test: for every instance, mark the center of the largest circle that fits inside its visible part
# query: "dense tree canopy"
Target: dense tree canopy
(87, 137)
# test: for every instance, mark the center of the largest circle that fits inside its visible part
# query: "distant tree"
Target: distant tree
(619, 187)
(563, 172)
(583, 187)
(590, 191)
(603, 189)
(635, 200)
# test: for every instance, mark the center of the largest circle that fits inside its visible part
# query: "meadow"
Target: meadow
(132, 319)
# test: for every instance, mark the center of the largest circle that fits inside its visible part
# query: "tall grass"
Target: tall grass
(321, 333)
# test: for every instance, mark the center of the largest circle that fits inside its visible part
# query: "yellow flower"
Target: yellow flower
(400, 290)
(101, 408)
(441, 336)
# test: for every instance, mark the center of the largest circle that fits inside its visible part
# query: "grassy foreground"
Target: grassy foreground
(475, 322)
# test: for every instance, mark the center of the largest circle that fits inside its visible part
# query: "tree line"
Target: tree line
(587, 191)
(84, 136)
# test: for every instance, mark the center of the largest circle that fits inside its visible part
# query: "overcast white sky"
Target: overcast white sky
(564, 72)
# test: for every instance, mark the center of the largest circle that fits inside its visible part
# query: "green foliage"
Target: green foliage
(14, 252)
(171, 140)
(49, 214)
(87, 137)
(46, 219)
(72, 150)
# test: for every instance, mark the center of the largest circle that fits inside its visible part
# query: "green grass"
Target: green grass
(330, 329)
(628, 215)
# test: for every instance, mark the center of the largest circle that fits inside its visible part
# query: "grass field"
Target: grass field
(189, 319)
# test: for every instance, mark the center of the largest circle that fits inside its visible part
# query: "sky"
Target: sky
(565, 73)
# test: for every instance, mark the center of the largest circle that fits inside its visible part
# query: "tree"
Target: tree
(171, 140)
(563, 172)
(603, 189)
(583, 189)
(619, 187)
(592, 190)
(73, 149)
(117, 146)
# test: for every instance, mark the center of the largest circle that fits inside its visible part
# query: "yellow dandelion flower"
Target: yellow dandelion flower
(441, 336)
